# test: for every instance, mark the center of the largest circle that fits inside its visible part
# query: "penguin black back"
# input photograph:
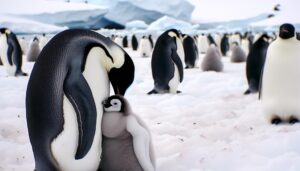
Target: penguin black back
(134, 43)
(255, 62)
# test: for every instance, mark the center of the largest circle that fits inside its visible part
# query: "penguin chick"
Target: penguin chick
(126, 142)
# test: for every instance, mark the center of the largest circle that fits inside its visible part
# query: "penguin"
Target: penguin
(202, 44)
(43, 41)
(245, 45)
(237, 53)
(224, 44)
(212, 60)
(298, 36)
(119, 40)
(236, 37)
(255, 62)
(190, 52)
(34, 50)
(280, 86)
(134, 43)
(23, 44)
(166, 63)
(211, 40)
(11, 53)
(126, 141)
(64, 95)
(151, 41)
(145, 47)
(125, 42)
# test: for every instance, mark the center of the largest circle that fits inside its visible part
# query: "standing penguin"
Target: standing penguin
(212, 60)
(11, 53)
(43, 41)
(237, 53)
(125, 42)
(255, 62)
(23, 44)
(280, 86)
(166, 63)
(64, 95)
(134, 43)
(34, 50)
(145, 47)
(190, 52)
(126, 141)
(151, 41)
(202, 43)
(224, 44)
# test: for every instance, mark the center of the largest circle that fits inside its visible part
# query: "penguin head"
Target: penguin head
(174, 33)
(116, 103)
(286, 31)
(122, 76)
(4, 32)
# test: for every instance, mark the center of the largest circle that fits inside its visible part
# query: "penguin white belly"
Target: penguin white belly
(180, 51)
(281, 83)
(145, 48)
(245, 46)
(174, 82)
(65, 145)
(10, 69)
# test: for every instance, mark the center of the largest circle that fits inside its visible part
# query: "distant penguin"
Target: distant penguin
(237, 53)
(280, 86)
(134, 43)
(298, 36)
(225, 44)
(217, 39)
(151, 41)
(202, 43)
(119, 40)
(34, 50)
(145, 47)
(43, 41)
(11, 53)
(236, 37)
(190, 52)
(212, 60)
(125, 42)
(255, 62)
(245, 45)
(23, 44)
(211, 40)
(166, 63)
(70, 79)
(126, 141)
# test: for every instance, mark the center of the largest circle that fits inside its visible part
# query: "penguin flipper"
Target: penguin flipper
(141, 143)
(79, 94)
(176, 59)
(9, 54)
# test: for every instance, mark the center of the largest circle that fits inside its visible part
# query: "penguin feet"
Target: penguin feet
(276, 121)
(293, 120)
(20, 74)
(152, 92)
(178, 92)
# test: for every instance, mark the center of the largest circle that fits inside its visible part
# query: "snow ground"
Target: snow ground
(210, 126)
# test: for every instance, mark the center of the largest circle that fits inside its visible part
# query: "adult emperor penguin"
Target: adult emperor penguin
(134, 43)
(126, 141)
(145, 48)
(151, 40)
(11, 53)
(119, 40)
(125, 42)
(43, 41)
(255, 62)
(34, 50)
(225, 44)
(68, 83)
(280, 86)
(202, 43)
(166, 63)
(190, 52)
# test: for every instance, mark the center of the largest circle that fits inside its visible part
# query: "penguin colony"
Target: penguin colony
(70, 106)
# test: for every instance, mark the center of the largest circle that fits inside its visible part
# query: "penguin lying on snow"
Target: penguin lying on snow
(126, 142)
(11, 53)
(64, 95)
(166, 63)
(280, 86)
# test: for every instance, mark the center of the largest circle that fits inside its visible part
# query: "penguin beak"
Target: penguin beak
(106, 104)
(121, 78)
